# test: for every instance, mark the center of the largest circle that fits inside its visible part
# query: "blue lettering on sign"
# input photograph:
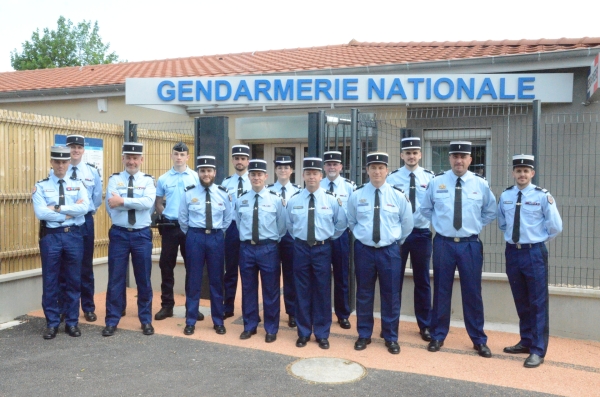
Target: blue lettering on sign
(242, 90)
(372, 86)
(462, 87)
(301, 88)
(170, 93)
(227, 86)
(262, 87)
(416, 82)
(206, 91)
(436, 88)
(337, 89)
(396, 89)
(503, 94)
(325, 90)
(280, 91)
(487, 88)
(347, 88)
(428, 89)
(181, 87)
(522, 87)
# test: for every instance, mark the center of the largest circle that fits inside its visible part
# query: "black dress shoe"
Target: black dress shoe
(516, 349)
(269, 338)
(344, 323)
(483, 350)
(200, 316)
(147, 329)
(248, 334)
(163, 313)
(227, 315)
(393, 347)
(361, 343)
(109, 330)
(90, 317)
(50, 333)
(292, 322)
(220, 329)
(425, 334)
(323, 343)
(189, 330)
(533, 361)
(434, 345)
(123, 313)
(73, 331)
(302, 341)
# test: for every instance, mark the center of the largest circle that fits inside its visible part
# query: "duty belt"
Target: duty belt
(67, 229)
(523, 246)
(474, 237)
(129, 229)
(260, 242)
(206, 231)
(316, 242)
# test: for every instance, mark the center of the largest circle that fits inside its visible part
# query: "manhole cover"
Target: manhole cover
(327, 370)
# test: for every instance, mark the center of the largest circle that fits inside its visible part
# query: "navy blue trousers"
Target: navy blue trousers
(204, 249)
(286, 254)
(371, 263)
(122, 244)
(340, 261)
(87, 265)
(263, 259)
(527, 271)
(232, 260)
(418, 245)
(172, 239)
(468, 258)
(61, 255)
(312, 276)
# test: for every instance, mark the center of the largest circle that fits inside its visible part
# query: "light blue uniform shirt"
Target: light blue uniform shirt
(539, 217)
(290, 189)
(144, 194)
(478, 204)
(396, 220)
(271, 215)
(231, 183)
(330, 217)
(401, 178)
(88, 174)
(172, 184)
(46, 192)
(192, 208)
(342, 188)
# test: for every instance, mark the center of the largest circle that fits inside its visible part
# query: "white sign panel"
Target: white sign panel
(363, 89)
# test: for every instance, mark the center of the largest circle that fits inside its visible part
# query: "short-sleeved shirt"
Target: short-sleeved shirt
(172, 184)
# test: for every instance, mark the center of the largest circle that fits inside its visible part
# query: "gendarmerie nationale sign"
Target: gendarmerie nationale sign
(364, 89)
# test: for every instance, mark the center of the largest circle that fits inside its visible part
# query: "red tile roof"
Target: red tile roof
(353, 54)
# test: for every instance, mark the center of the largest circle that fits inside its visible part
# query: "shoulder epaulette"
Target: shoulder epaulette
(92, 165)
(116, 173)
(349, 181)
(270, 185)
(510, 187)
(393, 172)
(428, 171)
(244, 192)
(189, 187)
(298, 192)
(228, 177)
(149, 175)
(330, 193)
(440, 173)
(361, 186)
(398, 189)
(542, 189)
(296, 186)
(275, 193)
(481, 176)
(43, 180)
(223, 188)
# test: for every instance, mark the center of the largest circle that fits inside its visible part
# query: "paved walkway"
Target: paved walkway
(208, 364)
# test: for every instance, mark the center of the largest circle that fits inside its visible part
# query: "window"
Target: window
(437, 142)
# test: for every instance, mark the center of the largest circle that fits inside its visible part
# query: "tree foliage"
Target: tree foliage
(68, 45)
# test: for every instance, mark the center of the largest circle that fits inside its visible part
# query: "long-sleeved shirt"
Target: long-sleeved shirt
(46, 192)
(271, 215)
(401, 179)
(330, 217)
(144, 194)
(192, 207)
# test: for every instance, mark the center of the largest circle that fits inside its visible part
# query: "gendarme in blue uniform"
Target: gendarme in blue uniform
(340, 247)
(527, 261)
(61, 249)
(204, 246)
(130, 239)
(418, 242)
(312, 264)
